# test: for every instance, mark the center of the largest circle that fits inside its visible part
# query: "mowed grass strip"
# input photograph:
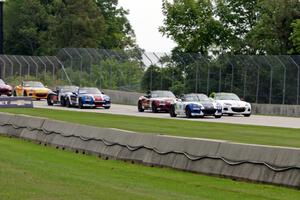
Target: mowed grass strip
(30, 171)
(236, 133)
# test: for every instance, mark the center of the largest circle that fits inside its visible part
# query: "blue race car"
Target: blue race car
(196, 105)
(88, 97)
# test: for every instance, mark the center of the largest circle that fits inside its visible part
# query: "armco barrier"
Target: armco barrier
(275, 165)
(131, 98)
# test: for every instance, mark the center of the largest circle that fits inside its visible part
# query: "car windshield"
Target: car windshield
(156, 94)
(196, 97)
(2, 82)
(33, 84)
(89, 91)
(226, 96)
(69, 89)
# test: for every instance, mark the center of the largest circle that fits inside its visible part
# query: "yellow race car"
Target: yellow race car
(33, 89)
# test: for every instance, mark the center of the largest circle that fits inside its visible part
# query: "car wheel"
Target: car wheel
(154, 109)
(68, 105)
(49, 101)
(25, 94)
(172, 111)
(247, 115)
(63, 102)
(140, 107)
(218, 116)
(80, 104)
(188, 113)
(107, 107)
(230, 115)
(15, 93)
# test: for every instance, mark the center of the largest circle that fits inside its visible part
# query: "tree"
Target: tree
(76, 23)
(271, 34)
(296, 36)
(192, 25)
(119, 33)
(25, 25)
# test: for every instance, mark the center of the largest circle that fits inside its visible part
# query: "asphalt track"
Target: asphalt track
(259, 120)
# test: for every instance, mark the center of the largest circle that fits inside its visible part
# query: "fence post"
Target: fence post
(284, 79)
(152, 65)
(28, 66)
(20, 66)
(80, 57)
(161, 70)
(11, 65)
(271, 79)
(70, 56)
(4, 67)
(298, 79)
(63, 68)
(36, 67)
(45, 67)
(91, 61)
(232, 74)
(258, 78)
(245, 76)
(53, 67)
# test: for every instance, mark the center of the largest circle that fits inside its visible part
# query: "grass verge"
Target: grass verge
(231, 132)
(29, 171)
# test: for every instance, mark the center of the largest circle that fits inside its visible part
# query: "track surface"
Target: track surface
(287, 122)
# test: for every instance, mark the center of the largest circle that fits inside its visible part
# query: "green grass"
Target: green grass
(230, 132)
(29, 171)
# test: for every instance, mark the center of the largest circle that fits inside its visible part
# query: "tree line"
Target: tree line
(42, 27)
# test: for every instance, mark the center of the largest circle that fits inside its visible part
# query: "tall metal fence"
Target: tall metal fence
(258, 79)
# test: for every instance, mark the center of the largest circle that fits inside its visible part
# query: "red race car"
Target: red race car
(5, 89)
(159, 100)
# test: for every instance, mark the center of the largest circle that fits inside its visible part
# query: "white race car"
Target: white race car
(232, 104)
(196, 105)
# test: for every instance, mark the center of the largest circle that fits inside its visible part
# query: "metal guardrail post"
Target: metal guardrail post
(91, 61)
(232, 74)
(161, 71)
(45, 67)
(110, 70)
(245, 76)
(63, 68)
(81, 63)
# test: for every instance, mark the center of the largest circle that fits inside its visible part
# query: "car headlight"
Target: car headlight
(106, 98)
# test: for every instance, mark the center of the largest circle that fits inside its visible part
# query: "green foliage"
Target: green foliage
(296, 36)
(237, 26)
(40, 27)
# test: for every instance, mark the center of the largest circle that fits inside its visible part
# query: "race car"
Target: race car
(34, 89)
(5, 89)
(59, 95)
(88, 97)
(159, 100)
(196, 105)
(232, 104)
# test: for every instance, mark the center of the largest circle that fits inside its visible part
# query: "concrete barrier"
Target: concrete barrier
(276, 109)
(275, 165)
(121, 97)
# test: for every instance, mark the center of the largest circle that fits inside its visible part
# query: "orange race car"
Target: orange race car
(34, 89)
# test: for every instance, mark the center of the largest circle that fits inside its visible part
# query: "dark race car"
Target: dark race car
(88, 97)
(5, 89)
(159, 100)
(59, 95)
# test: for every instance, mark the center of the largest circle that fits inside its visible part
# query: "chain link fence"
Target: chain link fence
(258, 79)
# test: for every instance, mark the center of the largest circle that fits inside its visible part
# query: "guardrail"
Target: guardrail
(16, 102)
(275, 165)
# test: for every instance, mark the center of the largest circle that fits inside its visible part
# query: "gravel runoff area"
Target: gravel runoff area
(259, 120)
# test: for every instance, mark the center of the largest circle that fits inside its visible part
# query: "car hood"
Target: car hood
(37, 89)
(205, 104)
(233, 103)
(162, 99)
(8, 87)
